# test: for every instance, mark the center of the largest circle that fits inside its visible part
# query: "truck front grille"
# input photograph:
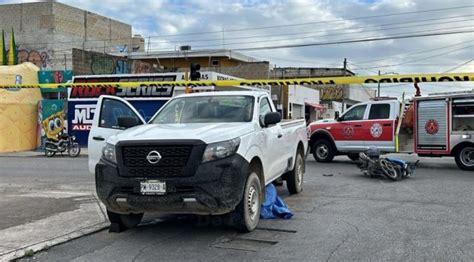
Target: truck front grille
(174, 159)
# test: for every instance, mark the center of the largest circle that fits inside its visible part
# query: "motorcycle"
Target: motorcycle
(373, 165)
(64, 143)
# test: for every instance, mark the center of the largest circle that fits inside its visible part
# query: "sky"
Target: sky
(216, 24)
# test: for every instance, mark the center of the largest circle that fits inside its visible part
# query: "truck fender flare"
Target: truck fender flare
(459, 146)
(321, 134)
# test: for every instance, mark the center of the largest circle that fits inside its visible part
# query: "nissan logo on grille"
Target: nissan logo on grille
(153, 157)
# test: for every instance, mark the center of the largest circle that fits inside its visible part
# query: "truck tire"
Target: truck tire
(294, 179)
(465, 158)
(247, 213)
(323, 151)
(125, 221)
(353, 156)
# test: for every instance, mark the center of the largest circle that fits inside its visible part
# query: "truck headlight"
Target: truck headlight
(220, 150)
(108, 153)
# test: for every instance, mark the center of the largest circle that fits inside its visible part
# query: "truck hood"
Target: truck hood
(207, 132)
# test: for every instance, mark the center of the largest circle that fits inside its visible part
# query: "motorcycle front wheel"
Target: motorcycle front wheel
(49, 152)
(392, 171)
(74, 150)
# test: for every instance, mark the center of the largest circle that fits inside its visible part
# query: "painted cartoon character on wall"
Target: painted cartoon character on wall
(53, 126)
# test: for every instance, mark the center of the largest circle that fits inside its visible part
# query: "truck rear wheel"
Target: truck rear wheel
(294, 179)
(323, 151)
(247, 213)
(465, 158)
(125, 221)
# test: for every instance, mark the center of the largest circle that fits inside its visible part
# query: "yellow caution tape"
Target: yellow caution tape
(385, 79)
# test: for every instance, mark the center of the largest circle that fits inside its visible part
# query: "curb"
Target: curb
(20, 252)
(44, 245)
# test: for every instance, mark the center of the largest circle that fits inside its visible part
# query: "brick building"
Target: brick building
(46, 32)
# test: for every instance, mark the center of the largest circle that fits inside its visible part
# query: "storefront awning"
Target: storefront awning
(315, 106)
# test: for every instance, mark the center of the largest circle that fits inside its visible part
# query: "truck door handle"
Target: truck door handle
(98, 138)
(280, 135)
(387, 124)
(357, 125)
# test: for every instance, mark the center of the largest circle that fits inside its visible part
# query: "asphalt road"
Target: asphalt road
(32, 188)
(341, 215)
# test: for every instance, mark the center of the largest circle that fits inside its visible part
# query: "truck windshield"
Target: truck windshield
(206, 109)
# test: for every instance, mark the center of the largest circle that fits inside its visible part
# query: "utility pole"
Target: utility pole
(344, 73)
(378, 86)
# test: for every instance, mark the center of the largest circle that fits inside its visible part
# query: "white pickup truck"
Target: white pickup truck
(205, 153)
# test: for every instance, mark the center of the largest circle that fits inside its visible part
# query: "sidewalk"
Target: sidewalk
(39, 153)
(45, 201)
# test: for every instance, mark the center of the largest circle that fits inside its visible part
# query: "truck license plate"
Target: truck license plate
(152, 187)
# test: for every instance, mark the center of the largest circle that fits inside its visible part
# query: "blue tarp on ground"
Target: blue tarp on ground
(274, 207)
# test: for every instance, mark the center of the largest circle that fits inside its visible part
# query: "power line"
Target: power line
(330, 30)
(420, 59)
(299, 38)
(353, 41)
(320, 31)
(281, 26)
(414, 53)
(460, 65)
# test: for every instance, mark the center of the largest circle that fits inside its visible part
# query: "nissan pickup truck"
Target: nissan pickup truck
(205, 153)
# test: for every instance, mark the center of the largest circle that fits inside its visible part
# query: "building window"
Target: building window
(215, 62)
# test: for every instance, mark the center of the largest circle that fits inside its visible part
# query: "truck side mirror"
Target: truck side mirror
(127, 122)
(271, 118)
(336, 115)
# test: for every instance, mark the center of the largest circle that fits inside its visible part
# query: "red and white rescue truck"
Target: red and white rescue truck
(434, 126)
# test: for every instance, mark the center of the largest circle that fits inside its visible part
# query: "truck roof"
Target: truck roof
(227, 93)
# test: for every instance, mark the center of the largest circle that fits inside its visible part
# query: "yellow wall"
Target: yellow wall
(18, 109)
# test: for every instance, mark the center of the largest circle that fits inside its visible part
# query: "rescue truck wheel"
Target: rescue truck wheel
(465, 158)
(323, 151)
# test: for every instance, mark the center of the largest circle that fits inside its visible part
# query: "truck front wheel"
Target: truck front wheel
(125, 221)
(465, 158)
(294, 179)
(247, 213)
(323, 151)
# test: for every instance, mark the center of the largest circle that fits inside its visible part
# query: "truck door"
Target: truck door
(348, 131)
(378, 129)
(271, 139)
(104, 124)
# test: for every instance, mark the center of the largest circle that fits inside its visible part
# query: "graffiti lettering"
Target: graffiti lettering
(40, 58)
(104, 65)
(140, 67)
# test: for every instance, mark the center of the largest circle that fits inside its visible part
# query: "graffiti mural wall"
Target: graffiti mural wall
(52, 120)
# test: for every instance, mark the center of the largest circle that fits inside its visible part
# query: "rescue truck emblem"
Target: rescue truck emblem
(348, 131)
(431, 127)
(376, 130)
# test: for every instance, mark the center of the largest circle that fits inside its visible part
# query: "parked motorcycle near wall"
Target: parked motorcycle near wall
(64, 143)
(373, 165)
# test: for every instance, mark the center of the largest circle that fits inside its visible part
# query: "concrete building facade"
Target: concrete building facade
(46, 32)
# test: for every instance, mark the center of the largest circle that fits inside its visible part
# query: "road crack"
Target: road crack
(356, 231)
